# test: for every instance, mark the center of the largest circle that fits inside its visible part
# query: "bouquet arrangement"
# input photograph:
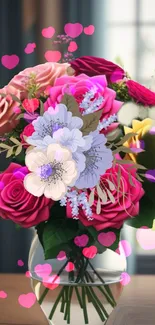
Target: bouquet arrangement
(81, 141)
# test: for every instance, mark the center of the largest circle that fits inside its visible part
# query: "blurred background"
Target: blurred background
(124, 33)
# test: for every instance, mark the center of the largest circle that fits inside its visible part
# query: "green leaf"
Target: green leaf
(126, 138)
(4, 146)
(90, 122)
(9, 153)
(41, 108)
(94, 233)
(57, 232)
(18, 150)
(122, 149)
(20, 116)
(146, 214)
(14, 140)
(71, 104)
(15, 98)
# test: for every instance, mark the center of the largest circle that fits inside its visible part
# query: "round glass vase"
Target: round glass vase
(83, 292)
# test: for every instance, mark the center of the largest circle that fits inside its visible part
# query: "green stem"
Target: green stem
(95, 305)
(98, 302)
(66, 299)
(69, 303)
(47, 289)
(105, 286)
(62, 303)
(84, 305)
(56, 303)
(110, 301)
(78, 297)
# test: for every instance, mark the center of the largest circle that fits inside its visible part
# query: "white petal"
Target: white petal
(70, 173)
(127, 113)
(34, 185)
(55, 191)
(56, 151)
(35, 159)
(152, 113)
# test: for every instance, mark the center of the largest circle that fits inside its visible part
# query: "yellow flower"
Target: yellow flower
(140, 128)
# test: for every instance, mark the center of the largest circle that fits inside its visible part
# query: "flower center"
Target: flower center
(45, 171)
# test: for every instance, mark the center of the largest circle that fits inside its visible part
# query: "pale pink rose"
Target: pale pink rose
(7, 109)
(45, 75)
(78, 86)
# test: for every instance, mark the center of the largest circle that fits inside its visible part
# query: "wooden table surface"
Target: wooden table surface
(136, 305)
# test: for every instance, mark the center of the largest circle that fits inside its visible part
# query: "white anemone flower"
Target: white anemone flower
(51, 172)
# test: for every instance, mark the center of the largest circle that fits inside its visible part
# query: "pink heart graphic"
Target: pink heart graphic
(125, 278)
(89, 30)
(28, 274)
(107, 238)
(125, 248)
(20, 263)
(146, 238)
(52, 56)
(81, 241)
(61, 256)
(73, 30)
(28, 300)
(3, 294)
(48, 32)
(90, 252)
(30, 48)
(43, 270)
(51, 282)
(10, 61)
(72, 47)
(70, 267)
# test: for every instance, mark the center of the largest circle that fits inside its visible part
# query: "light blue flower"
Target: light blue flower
(98, 159)
(51, 121)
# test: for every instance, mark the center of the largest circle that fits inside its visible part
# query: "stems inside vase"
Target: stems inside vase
(80, 283)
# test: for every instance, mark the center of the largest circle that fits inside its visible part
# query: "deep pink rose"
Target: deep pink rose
(140, 94)
(27, 132)
(79, 86)
(43, 75)
(114, 214)
(93, 66)
(16, 203)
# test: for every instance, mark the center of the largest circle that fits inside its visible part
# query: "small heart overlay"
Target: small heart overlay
(51, 282)
(30, 48)
(3, 294)
(90, 252)
(89, 30)
(61, 256)
(27, 300)
(48, 32)
(43, 270)
(52, 56)
(107, 238)
(10, 61)
(81, 241)
(73, 30)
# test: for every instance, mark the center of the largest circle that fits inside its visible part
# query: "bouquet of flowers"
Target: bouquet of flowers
(81, 141)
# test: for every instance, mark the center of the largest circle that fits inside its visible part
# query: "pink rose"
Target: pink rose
(27, 132)
(79, 86)
(16, 203)
(140, 94)
(114, 214)
(93, 66)
(8, 109)
(43, 75)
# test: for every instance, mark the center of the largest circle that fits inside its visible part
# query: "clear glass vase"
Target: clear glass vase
(85, 292)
